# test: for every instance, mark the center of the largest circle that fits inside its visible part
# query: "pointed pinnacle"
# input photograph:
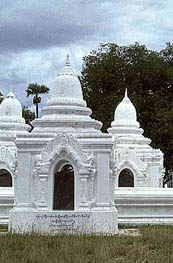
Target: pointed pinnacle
(11, 88)
(126, 93)
(67, 63)
(11, 93)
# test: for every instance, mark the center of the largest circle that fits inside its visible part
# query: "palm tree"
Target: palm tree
(35, 90)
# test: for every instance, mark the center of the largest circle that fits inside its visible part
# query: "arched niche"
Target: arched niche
(126, 178)
(5, 178)
(64, 187)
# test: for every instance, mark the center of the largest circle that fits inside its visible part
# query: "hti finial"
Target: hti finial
(126, 93)
(11, 88)
(67, 69)
(11, 93)
(67, 63)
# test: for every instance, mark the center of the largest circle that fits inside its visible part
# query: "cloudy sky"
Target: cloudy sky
(36, 35)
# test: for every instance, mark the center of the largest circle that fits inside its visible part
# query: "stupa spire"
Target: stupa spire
(67, 63)
(126, 93)
(11, 93)
(11, 88)
(126, 98)
(67, 69)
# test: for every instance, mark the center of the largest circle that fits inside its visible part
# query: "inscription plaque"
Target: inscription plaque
(63, 222)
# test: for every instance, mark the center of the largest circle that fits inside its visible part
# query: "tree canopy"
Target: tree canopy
(148, 76)
(35, 90)
(27, 114)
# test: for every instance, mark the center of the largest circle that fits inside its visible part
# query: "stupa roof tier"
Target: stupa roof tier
(66, 108)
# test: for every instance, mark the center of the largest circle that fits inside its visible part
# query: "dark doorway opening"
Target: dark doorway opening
(5, 178)
(64, 188)
(126, 179)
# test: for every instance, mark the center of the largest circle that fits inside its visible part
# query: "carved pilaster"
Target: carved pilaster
(42, 201)
(84, 174)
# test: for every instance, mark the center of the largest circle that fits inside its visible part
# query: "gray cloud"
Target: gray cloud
(36, 24)
(36, 35)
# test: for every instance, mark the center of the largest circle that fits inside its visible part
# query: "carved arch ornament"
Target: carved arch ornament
(64, 147)
(126, 159)
(8, 160)
(64, 144)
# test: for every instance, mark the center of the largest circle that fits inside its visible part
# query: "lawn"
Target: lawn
(155, 244)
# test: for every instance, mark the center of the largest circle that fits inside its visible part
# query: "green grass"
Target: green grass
(3, 228)
(155, 244)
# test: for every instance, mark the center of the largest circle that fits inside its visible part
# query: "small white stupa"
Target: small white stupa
(125, 116)
(11, 115)
(11, 123)
(132, 151)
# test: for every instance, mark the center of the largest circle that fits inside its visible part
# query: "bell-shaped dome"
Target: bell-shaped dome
(66, 110)
(67, 88)
(125, 113)
(125, 110)
(11, 109)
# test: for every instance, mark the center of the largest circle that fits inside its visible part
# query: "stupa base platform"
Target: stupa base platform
(67, 222)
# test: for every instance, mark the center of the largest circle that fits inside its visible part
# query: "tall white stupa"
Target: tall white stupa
(65, 148)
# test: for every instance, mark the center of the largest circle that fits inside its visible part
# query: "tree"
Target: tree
(148, 76)
(35, 90)
(28, 115)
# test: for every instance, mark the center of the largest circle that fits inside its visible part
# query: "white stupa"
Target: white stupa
(125, 114)
(11, 123)
(11, 119)
(132, 150)
(65, 136)
(66, 110)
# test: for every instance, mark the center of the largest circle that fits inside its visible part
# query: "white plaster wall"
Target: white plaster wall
(155, 179)
(135, 205)
(145, 205)
(6, 203)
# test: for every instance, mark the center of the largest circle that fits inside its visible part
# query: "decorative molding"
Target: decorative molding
(64, 147)
(8, 158)
(126, 158)
(63, 141)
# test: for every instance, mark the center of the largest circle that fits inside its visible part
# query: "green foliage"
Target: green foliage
(154, 245)
(28, 115)
(148, 76)
(35, 90)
